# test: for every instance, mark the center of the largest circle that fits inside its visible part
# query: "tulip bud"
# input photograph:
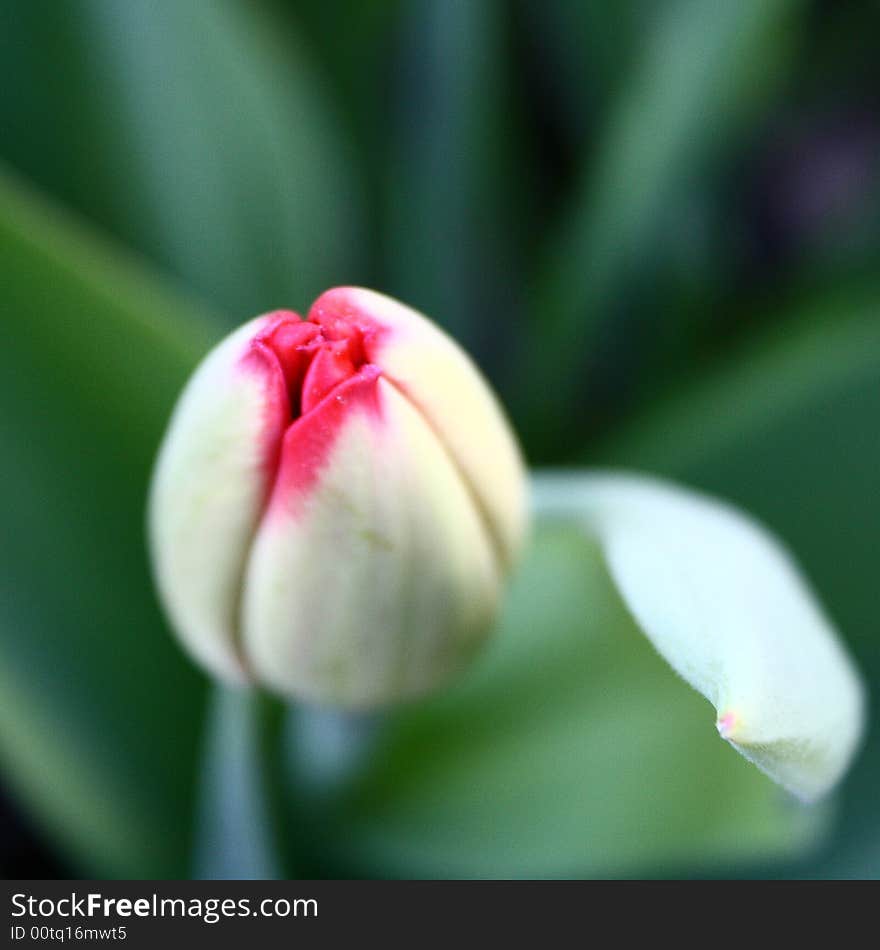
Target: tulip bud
(335, 504)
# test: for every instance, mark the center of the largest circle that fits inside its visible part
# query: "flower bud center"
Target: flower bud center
(314, 359)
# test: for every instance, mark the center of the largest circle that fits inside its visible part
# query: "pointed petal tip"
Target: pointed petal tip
(725, 604)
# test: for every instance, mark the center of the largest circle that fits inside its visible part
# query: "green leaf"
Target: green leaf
(355, 61)
(583, 50)
(99, 711)
(193, 132)
(788, 428)
(705, 65)
(571, 749)
(455, 180)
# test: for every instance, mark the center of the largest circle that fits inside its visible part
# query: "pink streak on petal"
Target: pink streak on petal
(294, 343)
(291, 339)
(314, 374)
(261, 361)
(331, 365)
(726, 724)
(337, 313)
(309, 441)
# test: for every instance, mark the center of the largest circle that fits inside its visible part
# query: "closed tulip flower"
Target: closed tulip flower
(336, 504)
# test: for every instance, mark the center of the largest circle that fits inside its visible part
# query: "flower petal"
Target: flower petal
(372, 539)
(208, 489)
(725, 605)
(441, 381)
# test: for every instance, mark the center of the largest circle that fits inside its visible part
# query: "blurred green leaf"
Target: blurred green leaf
(355, 60)
(705, 65)
(195, 131)
(237, 834)
(788, 428)
(571, 749)
(457, 189)
(583, 52)
(99, 711)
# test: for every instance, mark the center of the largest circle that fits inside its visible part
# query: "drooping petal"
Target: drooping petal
(725, 605)
(372, 577)
(209, 487)
(439, 379)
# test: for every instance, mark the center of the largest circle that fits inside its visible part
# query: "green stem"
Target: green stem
(326, 747)
(236, 836)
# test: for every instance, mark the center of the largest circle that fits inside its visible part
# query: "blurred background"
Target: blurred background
(656, 225)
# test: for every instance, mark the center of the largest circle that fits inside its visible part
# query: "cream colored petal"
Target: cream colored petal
(726, 606)
(442, 381)
(208, 488)
(377, 581)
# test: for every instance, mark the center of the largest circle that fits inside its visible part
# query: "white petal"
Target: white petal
(725, 605)
(379, 581)
(207, 492)
(441, 380)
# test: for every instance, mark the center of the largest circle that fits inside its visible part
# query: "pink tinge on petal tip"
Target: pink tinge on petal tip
(315, 372)
(338, 313)
(726, 725)
(309, 440)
